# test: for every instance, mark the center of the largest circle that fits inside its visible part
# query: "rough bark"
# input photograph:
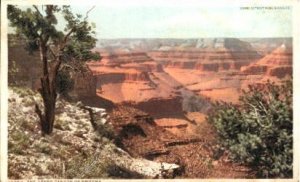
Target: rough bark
(48, 92)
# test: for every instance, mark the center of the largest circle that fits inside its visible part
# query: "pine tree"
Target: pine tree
(39, 26)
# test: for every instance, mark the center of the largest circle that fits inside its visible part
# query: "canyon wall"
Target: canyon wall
(213, 68)
(84, 85)
(276, 64)
(135, 79)
(24, 68)
(29, 70)
(208, 55)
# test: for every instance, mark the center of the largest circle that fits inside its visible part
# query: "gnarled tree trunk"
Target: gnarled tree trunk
(48, 92)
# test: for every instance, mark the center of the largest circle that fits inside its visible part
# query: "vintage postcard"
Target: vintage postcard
(119, 90)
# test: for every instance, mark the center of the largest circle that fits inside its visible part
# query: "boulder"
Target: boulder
(143, 167)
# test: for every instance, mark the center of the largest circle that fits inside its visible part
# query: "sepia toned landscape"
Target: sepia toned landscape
(146, 107)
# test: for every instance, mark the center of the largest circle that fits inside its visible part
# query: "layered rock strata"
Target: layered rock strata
(278, 64)
(132, 78)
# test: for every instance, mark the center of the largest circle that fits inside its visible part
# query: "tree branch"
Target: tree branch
(66, 38)
(67, 66)
(52, 53)
(56, 66)
(37, 10)
(87, 13)
(73, 29)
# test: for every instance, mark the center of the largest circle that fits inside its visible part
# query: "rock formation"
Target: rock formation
(139, 77)
(84, 85)
(131, 77)
(209, 55)
(209, 67)
(278, 63)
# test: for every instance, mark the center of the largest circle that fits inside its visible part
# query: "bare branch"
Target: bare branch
(87, 13)
(37, 10)
(56, 66)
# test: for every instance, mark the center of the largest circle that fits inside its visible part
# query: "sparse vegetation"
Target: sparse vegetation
(18, 143)
(22, 91)
(93, 166)
(106, 131)
(61, 124)
(69, 152)
(259, 132)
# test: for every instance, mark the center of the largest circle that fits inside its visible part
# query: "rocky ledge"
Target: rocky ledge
(81, 145)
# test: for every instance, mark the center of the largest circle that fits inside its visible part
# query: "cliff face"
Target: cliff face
(84, 84)
(28, 65)
(130, 77)
(217, 68)
(276, 64)
(121, 67)
(214, 68)
(208, 55)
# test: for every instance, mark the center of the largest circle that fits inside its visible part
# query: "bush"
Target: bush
(259, 131)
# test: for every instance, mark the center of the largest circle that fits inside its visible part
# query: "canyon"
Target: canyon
(162, 71)
(140, 71)
(157, 93)
(162, 92)
(175, 83)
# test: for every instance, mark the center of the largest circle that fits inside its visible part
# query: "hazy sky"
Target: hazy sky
(186, 21)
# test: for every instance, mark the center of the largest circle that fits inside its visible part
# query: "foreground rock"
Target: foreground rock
(143, 167)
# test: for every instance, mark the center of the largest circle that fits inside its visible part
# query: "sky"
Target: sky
(188, 21)
(137, 20)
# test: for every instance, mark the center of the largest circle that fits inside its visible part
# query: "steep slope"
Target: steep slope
(79, 147)
(276, 64)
